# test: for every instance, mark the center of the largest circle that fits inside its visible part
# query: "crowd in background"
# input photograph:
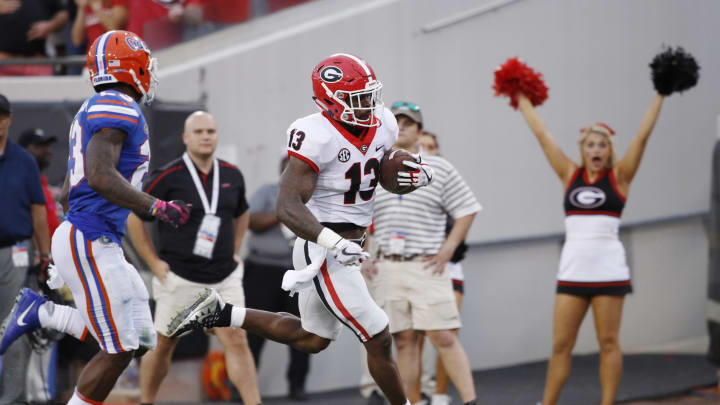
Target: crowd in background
(52, 28)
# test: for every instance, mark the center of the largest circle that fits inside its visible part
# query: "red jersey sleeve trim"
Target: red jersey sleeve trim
(572, 178)
(613, 183)
(306, 160)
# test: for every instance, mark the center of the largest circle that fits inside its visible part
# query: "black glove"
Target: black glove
(40, 271)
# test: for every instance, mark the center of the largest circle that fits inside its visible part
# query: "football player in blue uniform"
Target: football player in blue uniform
(109, 156)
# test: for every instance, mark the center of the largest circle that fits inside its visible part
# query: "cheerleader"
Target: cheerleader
(593, 272)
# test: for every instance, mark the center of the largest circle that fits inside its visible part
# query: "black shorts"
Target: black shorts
(459, 286)
(590, 289)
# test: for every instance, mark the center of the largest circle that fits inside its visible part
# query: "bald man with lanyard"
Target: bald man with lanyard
(201, 254)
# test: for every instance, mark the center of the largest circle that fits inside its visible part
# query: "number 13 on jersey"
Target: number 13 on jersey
(76, 161)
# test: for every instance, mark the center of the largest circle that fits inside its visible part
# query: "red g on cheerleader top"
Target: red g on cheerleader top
(600, 197)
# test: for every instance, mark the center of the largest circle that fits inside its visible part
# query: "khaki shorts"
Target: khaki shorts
(414, 298)
(176, 293)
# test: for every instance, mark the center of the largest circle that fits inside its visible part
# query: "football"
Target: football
(392, 163)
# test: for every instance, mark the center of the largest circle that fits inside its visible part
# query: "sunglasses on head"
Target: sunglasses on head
(411, 106)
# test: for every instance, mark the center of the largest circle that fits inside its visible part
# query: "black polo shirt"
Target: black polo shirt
(20, 187)
(173, 182)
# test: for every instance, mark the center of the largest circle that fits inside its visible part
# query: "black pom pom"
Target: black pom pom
(674, 70)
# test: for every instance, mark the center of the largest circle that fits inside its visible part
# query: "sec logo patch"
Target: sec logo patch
(344, 155)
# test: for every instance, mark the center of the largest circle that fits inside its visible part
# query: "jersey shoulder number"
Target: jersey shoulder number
(307, 140)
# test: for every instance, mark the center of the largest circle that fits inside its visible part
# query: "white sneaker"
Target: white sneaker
(203, 313)
(440, 399)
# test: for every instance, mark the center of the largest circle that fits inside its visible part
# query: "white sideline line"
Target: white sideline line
(270, 38)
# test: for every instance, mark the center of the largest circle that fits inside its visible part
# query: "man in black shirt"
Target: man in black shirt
(200, 254)
(24, 25)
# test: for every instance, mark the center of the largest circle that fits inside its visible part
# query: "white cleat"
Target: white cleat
(204, 313)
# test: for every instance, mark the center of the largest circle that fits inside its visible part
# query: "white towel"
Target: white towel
(298, 280)
(54, 280)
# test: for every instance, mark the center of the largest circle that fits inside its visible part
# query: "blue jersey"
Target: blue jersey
(90, 212)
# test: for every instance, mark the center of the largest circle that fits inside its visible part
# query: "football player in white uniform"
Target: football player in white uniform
(326, 198)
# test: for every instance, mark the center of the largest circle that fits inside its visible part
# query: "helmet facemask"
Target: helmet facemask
(352, 103)
(148, 95)
(153, 70)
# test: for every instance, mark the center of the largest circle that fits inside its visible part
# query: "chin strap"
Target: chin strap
(140, 87)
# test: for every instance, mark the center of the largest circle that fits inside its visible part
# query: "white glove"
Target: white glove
(54, 280)
(421, 174)
(346, 252)
(349, 253)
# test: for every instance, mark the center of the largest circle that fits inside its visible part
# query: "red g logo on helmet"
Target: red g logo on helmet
(331, 74)
(345, 87)
(122, 57)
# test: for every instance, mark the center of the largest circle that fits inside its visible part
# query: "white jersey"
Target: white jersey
(348, 167)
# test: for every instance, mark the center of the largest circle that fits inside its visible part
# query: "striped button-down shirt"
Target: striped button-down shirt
(422, 214)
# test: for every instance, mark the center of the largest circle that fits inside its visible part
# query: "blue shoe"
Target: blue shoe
(23, 318)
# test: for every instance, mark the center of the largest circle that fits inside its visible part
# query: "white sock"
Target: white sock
(62, 318)
(237, 317)
(440, 399)
(79, 399)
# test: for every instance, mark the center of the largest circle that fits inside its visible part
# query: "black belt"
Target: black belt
(360, 241)
(401, 258)
(342, 226)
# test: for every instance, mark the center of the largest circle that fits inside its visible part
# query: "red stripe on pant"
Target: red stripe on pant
(338, 304)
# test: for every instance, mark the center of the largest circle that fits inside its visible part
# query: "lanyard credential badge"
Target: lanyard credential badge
(208, 232)
(397, 243)
(206, 236)
(20, 255)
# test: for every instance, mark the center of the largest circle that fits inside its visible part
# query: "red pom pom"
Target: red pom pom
(515, 77)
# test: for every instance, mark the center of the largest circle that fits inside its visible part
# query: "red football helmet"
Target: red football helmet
(345, 87)
(122, 57)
